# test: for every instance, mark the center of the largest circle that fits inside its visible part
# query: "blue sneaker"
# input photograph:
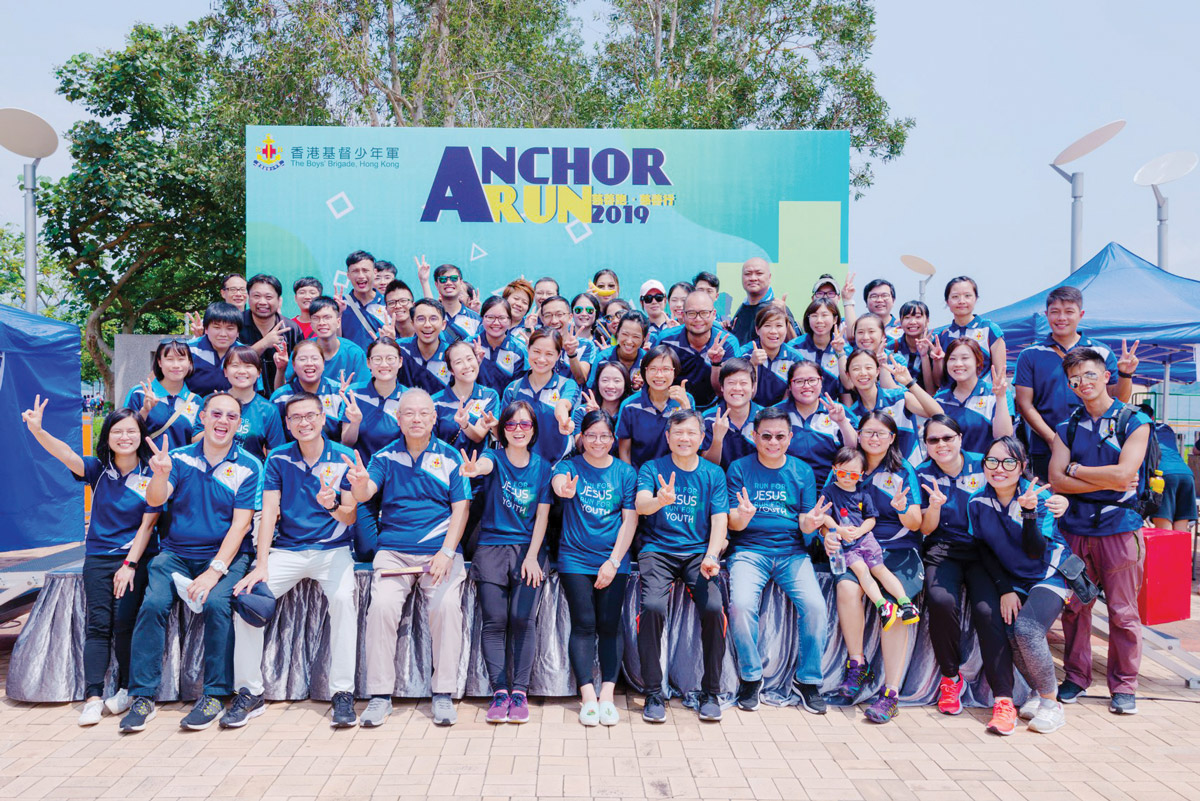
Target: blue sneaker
(1069, 692)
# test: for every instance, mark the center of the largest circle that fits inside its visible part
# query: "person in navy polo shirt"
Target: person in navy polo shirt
(1043, 398)
(551, 395)
(425, 352)
(578, 354)
(776, 496)
(215, 488)
(501, 353)
(770, 354)
(345, 361)
(362, 311)
(260, 429)
(163, 400)
(423, 511)
(979, 406)
(308, 365)
(222, 323)
(700, 349)
(120, 531)
(820, 425)
(1099, 468)
(729, 426)
(642, 420)
(370, 405)
(306, 493)
(451, 292)
(686, 505)
(962, 293)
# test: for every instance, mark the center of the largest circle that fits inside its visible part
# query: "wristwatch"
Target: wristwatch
(911, 384)
(616, 565)
(334, 508)
(219, 566)
(708, 556)
(447, 554)
(129, 564)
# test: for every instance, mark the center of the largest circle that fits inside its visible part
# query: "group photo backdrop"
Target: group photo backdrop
(500, 203)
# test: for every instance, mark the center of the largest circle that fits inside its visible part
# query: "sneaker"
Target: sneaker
(858, 675)
(710, 707)
(245, 705)
(747, 695)
(204, 713)
(1048, 719)
(444, 713)
(909, 614)
(655, 711)
(1029, 708)
(141, 712)
(91, 713)
(119, 703)
(376, 712)
(1004, 718)
(609, 716)
(811, 699)
(498, 711)
(344, 716)
(589, 713)
(1123, 704)
(885, 707)
(889, 613)
(950, 695)
(518, 710)
(1069, 692)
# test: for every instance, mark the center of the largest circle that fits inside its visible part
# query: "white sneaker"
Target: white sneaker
(608, 714)
(92, 711)
(1030, 708)
(119, 703)
(1049, 719)
(589, 714)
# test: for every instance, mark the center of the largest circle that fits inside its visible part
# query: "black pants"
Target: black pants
(944, 581)
(507, 605)
(110, 620)
(594, 612)
(658, 572)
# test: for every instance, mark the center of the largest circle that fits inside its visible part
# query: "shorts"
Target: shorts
(501, 564)
(864, 549)
(1179, 498)
(906, 565)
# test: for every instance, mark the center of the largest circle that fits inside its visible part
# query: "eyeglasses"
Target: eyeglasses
(513, 425)
(777, 437)
(1089, 376)
(874, 434)
(583, 310)
(549, 316)
(497, 319)
(385, 360)
(850, 475)
(809, 381)
(310, 417)
(653, 297)
(448, 279)
(232, 417)
(399, 304)
(660, 370)
(991, 463)
(693, 314)
(324, 318)
(940, 440)
(828, 294)
(598, 438)
(880, 296)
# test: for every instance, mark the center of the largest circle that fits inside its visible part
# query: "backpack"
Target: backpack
(1147, 500)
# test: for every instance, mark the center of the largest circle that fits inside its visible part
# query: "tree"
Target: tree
(52, 290)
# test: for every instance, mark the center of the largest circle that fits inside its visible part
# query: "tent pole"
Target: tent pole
(1165, 415)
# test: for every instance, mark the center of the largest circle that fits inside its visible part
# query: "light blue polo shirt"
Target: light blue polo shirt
(684, 526)
(1096, 514)
(379, 425)
(815, 439)
(550, 444)
(187, 403)
(445, 403)
(953, 526)
(500, 365)
(738, 442)
(203, 498)
(781, 495)
(416, 495)
(1039, 367)
(303, 524)
(513, 496)
(432, 374)
(118, 505)
(641, 422)
(974, 414)
(592, 519)
(373, 313)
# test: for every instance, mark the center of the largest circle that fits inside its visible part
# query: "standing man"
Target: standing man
(306, 493)
(214, 488)
(385, 273)
(263, 327)
(700, 348)
(774, 495)
(756, 281)
(685, 502)
(880, 294)
(363, 311)
(1043, 397)
(423, 510)
(222, 324)
(1097, 461)
(233, 290)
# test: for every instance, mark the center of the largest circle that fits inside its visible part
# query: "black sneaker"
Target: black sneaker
(710, 707)
(344, 716)
(747, 695)
(811, 699)
(1123, 704)
(909, 614)
(203, 714)
(140, 713)
(655, 711)
(245, 706)
(1069, 692)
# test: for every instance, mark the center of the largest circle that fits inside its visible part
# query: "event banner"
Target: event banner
(502, 203)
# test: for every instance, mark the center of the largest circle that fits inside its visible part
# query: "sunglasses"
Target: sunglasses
(513, 425)
(940, 440)
(583, 310)
(991, 463)
(173, 341)
(780, 437)
(1075, 381)
(653, 297)
(448, 279)
(852, 475)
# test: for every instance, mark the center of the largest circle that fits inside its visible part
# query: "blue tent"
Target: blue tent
(1124, 297)
(43, 504)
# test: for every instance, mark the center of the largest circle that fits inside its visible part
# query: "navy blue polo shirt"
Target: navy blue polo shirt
(362, 321)
(432, 374)
(772, 384)
(586, 352)
(1039, 367)
(911, 358)
(826, 358)
(446, 403)
(203, 498)
(953, 526)
(118, 505)
(416, 495)
(891, 403)
(550, 444)
(591, 520)
(208, 376)
(466, 321)
(641, 422)
(739, 440)
(656, 331)
(974, 414)
(1096, 514)
(999, 527)
(379, 425)
(331, 401)
(695, 366)
(513, 494)
(684, 526)
(501, 365)
(815, 439)
(881, 484)
(261, 428)
(183, 427)
(984, 332)
(350, 360)
(609, 354)
(304, 525)
(781, 495)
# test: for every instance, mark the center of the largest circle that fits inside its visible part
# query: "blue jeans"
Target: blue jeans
(150, 633)
(749, 573)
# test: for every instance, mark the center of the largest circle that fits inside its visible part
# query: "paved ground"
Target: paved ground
(291, 753)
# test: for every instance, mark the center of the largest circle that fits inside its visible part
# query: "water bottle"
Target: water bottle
(837, 561)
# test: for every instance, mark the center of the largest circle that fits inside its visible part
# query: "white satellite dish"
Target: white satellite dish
(1166, 168)
(918, 265)
(26, 134)
(1088, 142)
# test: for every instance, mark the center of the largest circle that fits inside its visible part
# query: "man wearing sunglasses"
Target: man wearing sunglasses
(461, 322)
(1096, 461)
(774, 495)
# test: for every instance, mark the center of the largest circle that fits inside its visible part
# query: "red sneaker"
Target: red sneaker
(1004, 718)
(950, 695)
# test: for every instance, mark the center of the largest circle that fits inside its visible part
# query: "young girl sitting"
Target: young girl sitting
(850, 520)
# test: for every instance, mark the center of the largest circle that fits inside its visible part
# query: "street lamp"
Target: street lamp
(920, 267)
(1081, 147)
(1154, 174)
(28, 135)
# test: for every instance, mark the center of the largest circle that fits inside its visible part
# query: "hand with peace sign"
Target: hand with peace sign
(935, 350)
(470, 464)
(758, 354)
(194, 323)
(149, 399)
(33, 417)
(1129, 361)
(562, 413)
(328, 496)
(999, 383)
(422, 269)
(589, 401)
(924, 345)
(900, 500)
(899, 370)
(1029, 498)
(720, 425)
(388, 329)
(352, 411)
(489, 422)
(678, 393)
(835, 410)
(339, 297)
(848, 289)
(462, 415)
(745, 507)
(480, 354)
(566, 489)
(345, 381)
(666, 491)
(160, 461)
(815, 516)
(280, 356)
(569, 340)
(716, 353)
(357, 476)
(275, 334)
(937, 498)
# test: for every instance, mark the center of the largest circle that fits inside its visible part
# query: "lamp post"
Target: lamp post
(920, 267)
(28, 135)
(1077, 149)
(1154, 174)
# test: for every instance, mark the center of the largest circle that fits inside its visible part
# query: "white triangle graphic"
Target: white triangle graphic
(477, 252)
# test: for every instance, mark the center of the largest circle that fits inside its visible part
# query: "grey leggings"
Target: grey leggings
(1030, 650)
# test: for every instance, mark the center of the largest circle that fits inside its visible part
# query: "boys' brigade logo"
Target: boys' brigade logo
(506, 358)
(974, 482)
(979, 335)
(228, 471)
(436, 462)
(268, 157)
(327, 401)
(889, 482)
(142, 484)
(979, 403)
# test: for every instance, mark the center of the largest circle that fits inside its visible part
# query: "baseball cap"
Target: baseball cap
(652, 284)
(257, 606)
(823, 280)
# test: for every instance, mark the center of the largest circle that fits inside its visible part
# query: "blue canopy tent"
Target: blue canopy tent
(1124, 297)
(43, 504)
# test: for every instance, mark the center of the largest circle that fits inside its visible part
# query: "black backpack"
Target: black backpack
(1148, 500)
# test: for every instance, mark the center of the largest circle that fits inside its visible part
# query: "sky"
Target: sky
(997, 90)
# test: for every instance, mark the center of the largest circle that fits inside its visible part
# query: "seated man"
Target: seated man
(686, 506)
(306, 493)
(423, 511)
(214, 488)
